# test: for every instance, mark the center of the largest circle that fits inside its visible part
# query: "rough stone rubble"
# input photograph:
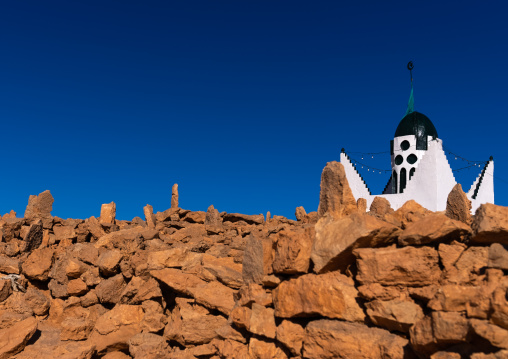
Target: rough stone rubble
(337, 283)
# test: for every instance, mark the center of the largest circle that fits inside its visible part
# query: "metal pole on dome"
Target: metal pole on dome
(411, 102)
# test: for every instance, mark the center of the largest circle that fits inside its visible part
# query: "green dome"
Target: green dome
(416, 123)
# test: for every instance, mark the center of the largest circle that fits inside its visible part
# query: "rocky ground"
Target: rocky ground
(337, 283)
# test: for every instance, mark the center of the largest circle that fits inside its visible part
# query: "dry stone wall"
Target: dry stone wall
(180, 284)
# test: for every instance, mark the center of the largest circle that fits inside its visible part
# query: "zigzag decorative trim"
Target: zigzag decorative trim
(365, 183)
(480, 181)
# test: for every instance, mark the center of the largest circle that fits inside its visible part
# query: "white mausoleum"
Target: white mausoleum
(420, 170)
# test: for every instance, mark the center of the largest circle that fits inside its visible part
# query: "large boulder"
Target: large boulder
(408, 266)
(434, 228)
(108, 213)
(114, 328)
(490, 224)
(212, 295)
(332, 295)
(336, 239)
(293, 249)
(257, 259)
(38, 264)
(14, 338)
(40, 206)
(336, 339)
(394, 315)
(336, 197)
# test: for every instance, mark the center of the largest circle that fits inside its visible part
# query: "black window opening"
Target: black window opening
(404, 145)
(411, 172)
(402, 180)
(394, 183)
(412, 158)
(398, 160)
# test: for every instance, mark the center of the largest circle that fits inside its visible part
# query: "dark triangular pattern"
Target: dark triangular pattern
(388, 185)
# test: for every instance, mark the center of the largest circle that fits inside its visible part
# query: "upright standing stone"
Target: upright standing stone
(458, 206)
(361, 204)
(174, 196)
(336, 197)
(108, 213)
(40, 207)
(300, 214)
(149, 216)
(213, 217)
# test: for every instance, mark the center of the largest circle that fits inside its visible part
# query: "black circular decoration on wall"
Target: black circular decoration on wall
(404, 145)
(398, 160)
(412, 158)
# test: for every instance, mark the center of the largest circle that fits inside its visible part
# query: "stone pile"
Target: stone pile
(337, 283)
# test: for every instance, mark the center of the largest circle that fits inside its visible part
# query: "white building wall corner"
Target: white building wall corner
(485, 192)
(356, 183)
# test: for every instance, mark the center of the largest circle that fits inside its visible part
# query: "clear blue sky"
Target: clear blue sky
(241, 103)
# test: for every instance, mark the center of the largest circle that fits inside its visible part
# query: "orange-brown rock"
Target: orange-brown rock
(409, 212)
(380, 207)
(249, 219)
(300, 214)
(110, 290)
(257, 259)
(496, 336)
(449, 327)
(260, 349)
(336, 197)
(9, 265)
(253, 293)
(332, 295)
(433, 228)
(64, 232)
(14, 339)
(109, 262)
(114, 328)
(139, 290)
(38, 264)
(291, 335)
(148, 345)
(191, 324)
(174, 196)
(408, 266)
(292, 250)
(240, 316)
(458, 206)
(212, 295)
(498, 256)
(262, 321)
(394, 315)
(126, 239)
(374, 291)
(108, 213)
(336, 239)
(469, 265)
(151, 222)
(337, 339)
(490, 224)
(361, 205)
(231, 349)
(225, 270)
(77, 287)
(40, 206)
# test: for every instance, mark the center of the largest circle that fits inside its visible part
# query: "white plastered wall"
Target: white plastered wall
(430, 185)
